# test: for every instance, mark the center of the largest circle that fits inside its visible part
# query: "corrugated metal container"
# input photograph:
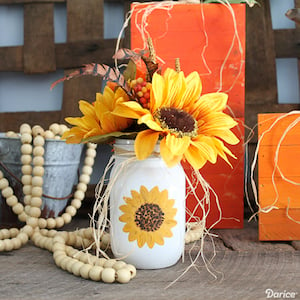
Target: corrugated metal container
(61, 173)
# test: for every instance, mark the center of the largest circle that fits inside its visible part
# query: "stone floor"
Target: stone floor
(242, 268)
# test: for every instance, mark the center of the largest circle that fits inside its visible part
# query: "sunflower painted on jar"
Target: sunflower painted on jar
(148, 216)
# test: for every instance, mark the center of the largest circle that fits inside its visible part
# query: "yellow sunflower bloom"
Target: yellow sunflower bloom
(149, 216)
(98, 119)
(190, 125)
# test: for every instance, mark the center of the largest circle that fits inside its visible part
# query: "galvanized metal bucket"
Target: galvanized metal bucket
(61, 173)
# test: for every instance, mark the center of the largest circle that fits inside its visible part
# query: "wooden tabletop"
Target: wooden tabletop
(242, 268)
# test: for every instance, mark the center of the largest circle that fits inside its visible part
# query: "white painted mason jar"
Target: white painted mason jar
(147, 209)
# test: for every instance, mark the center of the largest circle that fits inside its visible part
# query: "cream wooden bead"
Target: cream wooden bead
(76, 203)
(49, 245)
(55, 128)
(92, 145)
(79, 195)
(51, 223)
(108, 275)
(26, 138)
(26, 179)
(26, 149)
(52, 233)
(26, 169)
(18, 208)
(16, 243)
(82, 256)
(26, 159)
(38, 161)
(38, 171)
(27, 209)
(71, 210)
(23, 237)
(58, 259)
(123, 275)
(42, 223)
(59, 222)
(10, 134)
(49, 134)
(84, 271)
(28, 230)
(25, 128)
(39, 141)
(76, 268)
(119, 265)
(84, 178)
(8, 245)
(26, 189)
(59, 246)
(13, 232)
(91, 152)
(3, 183)
(36, 191)
(109, 263)
(38, 151)
(87, 170)
(82, 187)
(37, 181)
(12, 200)
(34, 212)
(59, 253)
(62, 129)
(4, 233)
(37, 130)
(89, 161)
(36, 201)
(95, 273)
(32, 221)
(7, 192)
(100, 262)
(70, 264)
(64, 262)
(131, 269)
(22, 217)
(67, 218)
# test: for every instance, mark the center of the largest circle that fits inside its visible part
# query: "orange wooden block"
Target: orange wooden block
(279, 176)
(203, 36)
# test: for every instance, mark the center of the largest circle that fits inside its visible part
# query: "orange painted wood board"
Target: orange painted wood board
(206, 39)
(279, 176)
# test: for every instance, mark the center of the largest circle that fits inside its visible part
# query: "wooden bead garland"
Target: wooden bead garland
(32, 180)
(82, 263)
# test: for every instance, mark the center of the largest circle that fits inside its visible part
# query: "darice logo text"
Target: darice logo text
(280, 295)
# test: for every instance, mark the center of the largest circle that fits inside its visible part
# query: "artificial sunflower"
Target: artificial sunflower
(149, 216)
(98, 120)
(190, 125)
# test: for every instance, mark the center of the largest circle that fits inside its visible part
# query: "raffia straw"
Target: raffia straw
(276, 166)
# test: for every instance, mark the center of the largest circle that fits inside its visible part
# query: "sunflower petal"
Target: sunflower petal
(145, 142)
(169, 158)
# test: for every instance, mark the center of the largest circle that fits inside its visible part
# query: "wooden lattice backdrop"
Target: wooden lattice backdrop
(85, 44)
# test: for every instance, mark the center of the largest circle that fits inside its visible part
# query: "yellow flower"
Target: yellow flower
(149, 216)
(189, 124)
(98, 120)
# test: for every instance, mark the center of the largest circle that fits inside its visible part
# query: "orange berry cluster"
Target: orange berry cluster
(141, 91)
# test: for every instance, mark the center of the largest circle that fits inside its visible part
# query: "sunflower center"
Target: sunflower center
(149, 217)
(177, 121)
